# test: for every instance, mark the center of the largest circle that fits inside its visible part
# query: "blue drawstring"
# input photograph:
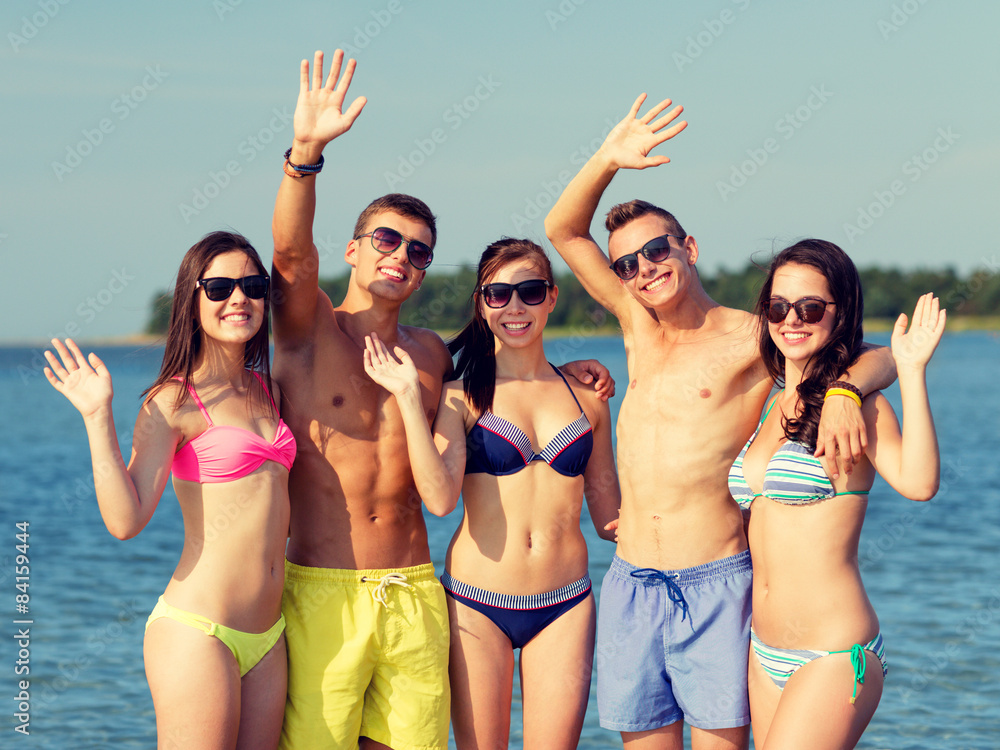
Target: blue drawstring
(674, 592)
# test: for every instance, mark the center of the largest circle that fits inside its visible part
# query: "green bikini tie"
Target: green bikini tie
(857, 653)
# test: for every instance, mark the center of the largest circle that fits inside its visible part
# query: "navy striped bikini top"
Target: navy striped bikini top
(497, 447)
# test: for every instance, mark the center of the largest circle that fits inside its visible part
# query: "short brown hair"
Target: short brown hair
(402, 204)
(624, 213)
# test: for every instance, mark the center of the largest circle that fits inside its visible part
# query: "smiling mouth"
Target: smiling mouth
(236, 318)
(515, 327)
(393, 274)
(796, 335)
(656, 283)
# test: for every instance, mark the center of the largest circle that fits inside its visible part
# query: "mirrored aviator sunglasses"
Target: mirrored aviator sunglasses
(656, 250)
(808, 309)
(219, 288)
(386, 240)
(532, 292)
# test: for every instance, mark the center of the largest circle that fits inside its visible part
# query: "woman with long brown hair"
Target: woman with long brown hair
(523, 445)
(817, 661)
(214, 645)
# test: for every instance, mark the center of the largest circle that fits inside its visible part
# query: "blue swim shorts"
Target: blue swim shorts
(673, 644)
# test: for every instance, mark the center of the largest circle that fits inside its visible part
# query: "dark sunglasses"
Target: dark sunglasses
(386, 240)
(531, 292)
(656, 250)
(809, 309)
(219, 288)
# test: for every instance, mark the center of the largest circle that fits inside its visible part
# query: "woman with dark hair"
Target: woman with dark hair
(523, 445)
(817, 659)
(210, 419)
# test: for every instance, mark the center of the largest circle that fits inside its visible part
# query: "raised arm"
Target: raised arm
(909, 460)
(126, 496)
(627, 146)
(319, 118)
(438, 460)
(842, 437)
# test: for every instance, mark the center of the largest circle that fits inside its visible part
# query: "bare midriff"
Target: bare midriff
(229, 570)
(523, 540)
(807, 588)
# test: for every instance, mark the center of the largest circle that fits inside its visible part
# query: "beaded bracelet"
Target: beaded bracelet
(302, 170)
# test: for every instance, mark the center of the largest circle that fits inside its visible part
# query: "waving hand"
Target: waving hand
(319, 111)
(628, 144)
(85, 381)
(913, 348)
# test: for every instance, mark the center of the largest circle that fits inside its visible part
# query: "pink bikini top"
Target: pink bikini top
(222, 452)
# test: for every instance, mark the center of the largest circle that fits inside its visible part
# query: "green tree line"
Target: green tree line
(443, 301)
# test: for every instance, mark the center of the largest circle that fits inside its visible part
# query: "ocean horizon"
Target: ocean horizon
(929, 567)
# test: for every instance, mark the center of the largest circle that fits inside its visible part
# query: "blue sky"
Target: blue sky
(131, 129)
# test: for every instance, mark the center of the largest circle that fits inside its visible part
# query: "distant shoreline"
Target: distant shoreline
(956, 324)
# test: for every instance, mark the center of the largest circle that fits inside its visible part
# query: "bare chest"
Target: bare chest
(333, 395)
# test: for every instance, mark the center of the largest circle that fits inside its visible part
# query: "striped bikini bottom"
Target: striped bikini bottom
(782, 663)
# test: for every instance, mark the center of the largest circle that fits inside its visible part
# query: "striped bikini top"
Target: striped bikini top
(223, 452)
(793, 475)
(497, 447)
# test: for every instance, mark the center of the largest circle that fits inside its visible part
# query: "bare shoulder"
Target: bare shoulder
(593, 407)
(168, 406)
(426, 347)
(740, 325)
(737, 329)
(453, 396)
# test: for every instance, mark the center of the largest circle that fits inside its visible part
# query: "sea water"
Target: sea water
(930, 568)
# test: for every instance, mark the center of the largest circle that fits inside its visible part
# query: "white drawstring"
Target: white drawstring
(389, 579)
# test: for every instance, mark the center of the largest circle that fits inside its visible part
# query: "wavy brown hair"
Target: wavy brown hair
(184, 333)
(475, 344)
(846, 339)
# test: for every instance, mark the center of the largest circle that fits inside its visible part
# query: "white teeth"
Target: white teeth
(796, 336)
(656, 284)
(393, 273)
(237, 317)
(515, 326)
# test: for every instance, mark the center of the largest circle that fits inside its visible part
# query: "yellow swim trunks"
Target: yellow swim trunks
(367, 657)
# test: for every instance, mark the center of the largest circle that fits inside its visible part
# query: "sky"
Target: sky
(132, 129)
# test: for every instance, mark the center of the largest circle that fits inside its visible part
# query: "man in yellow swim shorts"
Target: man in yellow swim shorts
(366, 618)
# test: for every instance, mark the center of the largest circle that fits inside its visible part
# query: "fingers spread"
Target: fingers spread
(652, 113)
(667, 118)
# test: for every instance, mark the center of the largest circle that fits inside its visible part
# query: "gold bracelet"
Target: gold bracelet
(843, 392)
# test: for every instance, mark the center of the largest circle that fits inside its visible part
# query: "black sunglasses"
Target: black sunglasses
(809, 309)
(656, 250)
(532, 292)
(219, 288)
(386, 240)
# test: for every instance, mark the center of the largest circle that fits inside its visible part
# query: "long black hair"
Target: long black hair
(475, 344)
(840, 351)
(184, 333)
